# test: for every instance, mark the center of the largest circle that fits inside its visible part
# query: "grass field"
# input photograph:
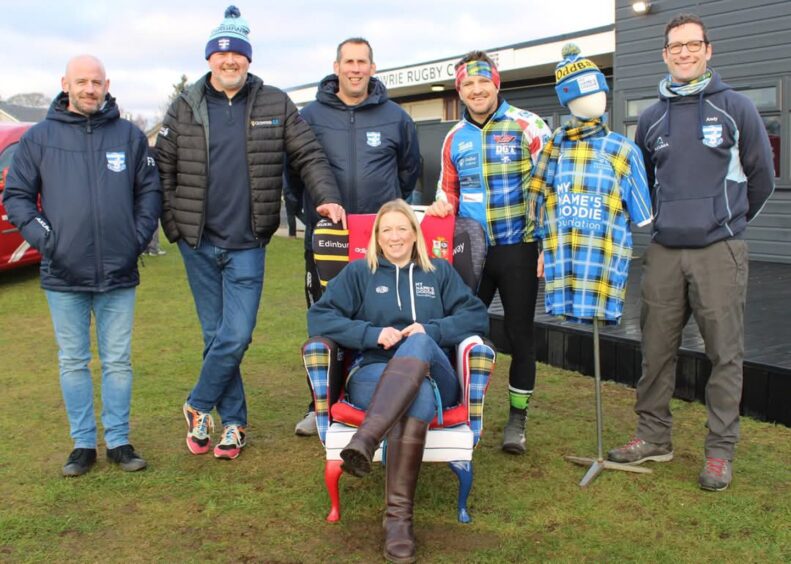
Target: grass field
(270, 504)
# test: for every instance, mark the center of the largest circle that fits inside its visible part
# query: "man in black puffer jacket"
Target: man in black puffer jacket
(220, 152)
(100, 201)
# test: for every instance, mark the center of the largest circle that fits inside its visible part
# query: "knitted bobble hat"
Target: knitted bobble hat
(231, 35)
(576, 76)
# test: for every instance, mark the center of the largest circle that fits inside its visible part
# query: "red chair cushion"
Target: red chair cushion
(346, 413)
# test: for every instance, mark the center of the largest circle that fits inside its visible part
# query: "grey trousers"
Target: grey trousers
(711, 284)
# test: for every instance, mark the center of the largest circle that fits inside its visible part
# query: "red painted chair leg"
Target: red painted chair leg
(332, 475)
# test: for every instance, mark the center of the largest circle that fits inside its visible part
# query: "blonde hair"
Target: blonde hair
(419, 254)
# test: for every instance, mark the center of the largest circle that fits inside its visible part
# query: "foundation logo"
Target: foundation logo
(424, 291)
(382, 289)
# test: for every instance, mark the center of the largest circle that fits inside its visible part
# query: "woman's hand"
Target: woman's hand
(389, 337)
(412, 329)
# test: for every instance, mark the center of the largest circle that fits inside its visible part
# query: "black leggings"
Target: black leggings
(511, 269)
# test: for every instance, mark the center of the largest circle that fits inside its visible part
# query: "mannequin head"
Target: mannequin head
(589, 107)
(580, 85)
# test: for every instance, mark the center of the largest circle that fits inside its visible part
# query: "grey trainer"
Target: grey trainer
(638, 451)
(307, 426)
(79, 462)
(514, 432)
(716, 475)
(126, 457)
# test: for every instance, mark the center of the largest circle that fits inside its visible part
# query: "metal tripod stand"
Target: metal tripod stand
(599, 464)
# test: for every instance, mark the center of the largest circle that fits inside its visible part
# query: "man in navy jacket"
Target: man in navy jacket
(100, 202)
(371, 144)
(710, 170)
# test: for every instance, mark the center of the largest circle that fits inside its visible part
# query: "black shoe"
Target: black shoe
(79, 462)
(126, 457)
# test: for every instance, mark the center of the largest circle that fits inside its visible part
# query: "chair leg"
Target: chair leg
(463, 471)
(332, 475)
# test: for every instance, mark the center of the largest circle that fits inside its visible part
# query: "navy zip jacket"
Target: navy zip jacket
(372, 148)
(709, 165)
(359, 303)
(100, 197)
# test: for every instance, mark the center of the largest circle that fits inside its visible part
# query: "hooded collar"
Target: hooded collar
(327, 93)
(59, 111)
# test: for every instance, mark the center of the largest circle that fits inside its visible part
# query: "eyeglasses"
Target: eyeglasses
(692, 46)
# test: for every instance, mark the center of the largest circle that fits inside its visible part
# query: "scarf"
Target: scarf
(670, 89)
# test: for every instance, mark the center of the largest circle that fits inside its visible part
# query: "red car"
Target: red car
(14, 250)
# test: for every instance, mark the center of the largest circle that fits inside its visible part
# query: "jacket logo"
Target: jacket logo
(116, 161)
(382, 289)
(374, 138)
(150, 161)
(465, 146)
(223, 43)
(712, 135)
(257, 123)
(163, 131)
(504, 138)
(660, 144)
(424, 291)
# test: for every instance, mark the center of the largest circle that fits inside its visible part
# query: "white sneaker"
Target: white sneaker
(307, 426)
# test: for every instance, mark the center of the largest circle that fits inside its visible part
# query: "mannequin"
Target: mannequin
(587, 187)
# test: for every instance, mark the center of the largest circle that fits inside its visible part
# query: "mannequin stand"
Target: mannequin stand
(599, 464)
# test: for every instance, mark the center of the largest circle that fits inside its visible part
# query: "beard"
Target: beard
(85, 106)
(229, 83)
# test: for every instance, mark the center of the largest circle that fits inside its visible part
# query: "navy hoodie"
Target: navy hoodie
(100, 197)
(372, 148)
(359, 303)
(709, 165)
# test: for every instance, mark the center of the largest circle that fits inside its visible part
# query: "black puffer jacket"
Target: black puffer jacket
(274, 127)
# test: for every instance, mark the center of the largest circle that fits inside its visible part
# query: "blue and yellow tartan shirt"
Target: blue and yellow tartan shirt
(486, 171)
(587, 187)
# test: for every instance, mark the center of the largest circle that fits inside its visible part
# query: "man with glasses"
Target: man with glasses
(710, 169)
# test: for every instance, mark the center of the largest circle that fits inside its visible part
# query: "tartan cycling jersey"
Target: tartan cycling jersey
(486, 171)
(587, 186)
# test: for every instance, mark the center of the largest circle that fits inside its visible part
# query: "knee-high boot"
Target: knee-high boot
(405, 445)
(395, 392)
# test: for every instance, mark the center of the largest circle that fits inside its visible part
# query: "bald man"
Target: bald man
(100, 201)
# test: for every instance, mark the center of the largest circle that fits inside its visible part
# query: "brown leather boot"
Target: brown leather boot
(405, 445)
(396, 390)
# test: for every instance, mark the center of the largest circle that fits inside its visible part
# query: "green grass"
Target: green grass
(270, 504)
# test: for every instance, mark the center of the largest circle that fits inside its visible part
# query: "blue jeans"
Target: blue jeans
(362, 382)
(226, 285)
(71, 318)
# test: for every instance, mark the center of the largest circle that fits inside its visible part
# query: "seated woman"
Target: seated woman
(403, 312)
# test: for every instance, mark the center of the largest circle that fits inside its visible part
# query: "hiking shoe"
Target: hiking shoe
(638, 451)
(126, 457)
(199, 425)
(514, 432)
(79, 462)
(232, 442)
(307, 425)
(716, 475)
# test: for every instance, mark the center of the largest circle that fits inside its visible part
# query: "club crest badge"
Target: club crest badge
(116, 161)
(224, 43)
(374, 138)
(712, 135)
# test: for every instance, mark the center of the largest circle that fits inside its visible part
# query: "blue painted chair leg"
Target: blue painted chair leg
(463, 471)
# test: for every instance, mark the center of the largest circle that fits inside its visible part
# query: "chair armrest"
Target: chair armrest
(475, 358)
(323, 361)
